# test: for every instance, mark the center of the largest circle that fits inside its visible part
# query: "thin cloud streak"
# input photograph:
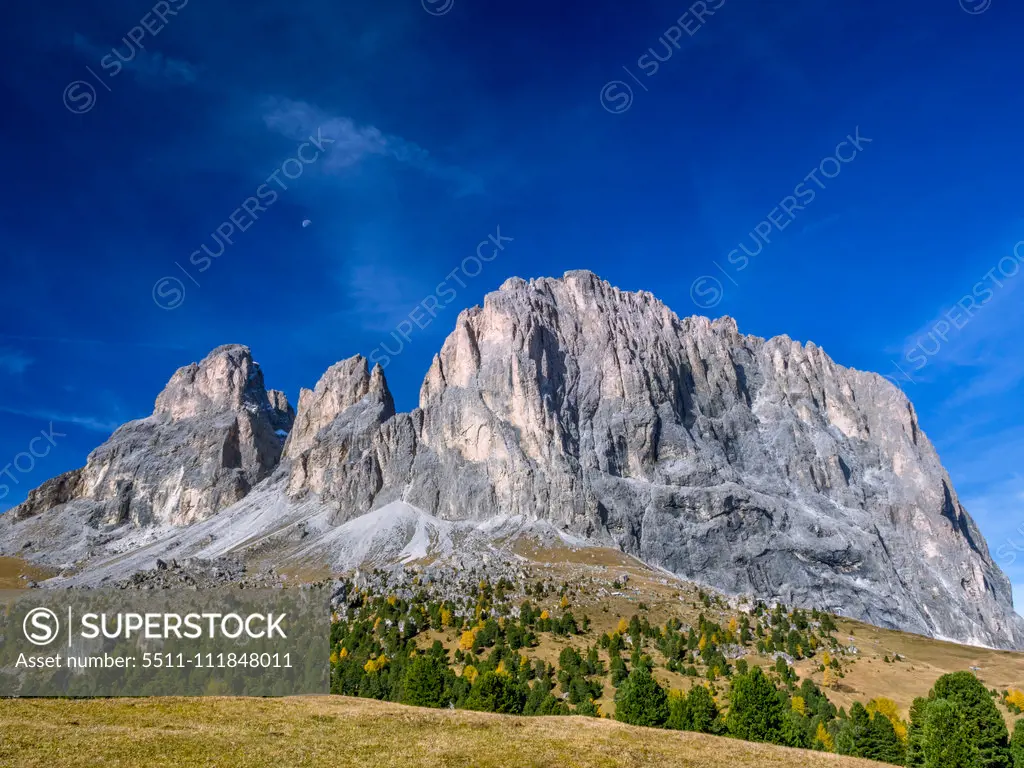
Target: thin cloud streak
(354, 143)
(87, 422)
(152, 68)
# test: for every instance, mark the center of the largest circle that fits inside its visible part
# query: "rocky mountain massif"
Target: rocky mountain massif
(561, 405)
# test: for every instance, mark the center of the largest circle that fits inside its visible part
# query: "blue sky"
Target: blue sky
(448, 121)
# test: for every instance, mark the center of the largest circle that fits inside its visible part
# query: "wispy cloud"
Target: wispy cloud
(972, 344)
(86, 422)
(14, 362)
(381, 296)
(148, 67)
(354, 143)
(996, 373)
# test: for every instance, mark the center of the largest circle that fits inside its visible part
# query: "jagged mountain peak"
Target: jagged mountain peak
(342, 386)
(226, 378)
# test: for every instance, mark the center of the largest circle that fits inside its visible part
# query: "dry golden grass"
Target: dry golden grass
(924, 660)
(13, 568)
(341, 732)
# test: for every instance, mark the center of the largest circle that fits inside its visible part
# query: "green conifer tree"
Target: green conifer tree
(883, 743)
(640, 700)
(704, 714)
(947, 737)
(679, 718)
(495, 692)
(424, 682)
(755, 711)
(985, 724)
(915, 733)
(1017, 744)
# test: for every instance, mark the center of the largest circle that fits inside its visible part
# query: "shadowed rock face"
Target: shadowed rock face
(754, 466)
(212, 436)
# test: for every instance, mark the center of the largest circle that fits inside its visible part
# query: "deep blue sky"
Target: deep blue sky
(448, 125)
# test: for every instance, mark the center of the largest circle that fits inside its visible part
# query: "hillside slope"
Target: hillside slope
(336, 731)
(606, 591)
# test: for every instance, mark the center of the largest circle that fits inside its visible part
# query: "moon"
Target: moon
(306, 223)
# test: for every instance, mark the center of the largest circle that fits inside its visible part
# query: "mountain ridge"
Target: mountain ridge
(758, 466)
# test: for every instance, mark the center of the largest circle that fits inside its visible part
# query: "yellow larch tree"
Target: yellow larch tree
(823, 737)
(1015, 697)
(467, 640)
(887, 708)
(829, 680)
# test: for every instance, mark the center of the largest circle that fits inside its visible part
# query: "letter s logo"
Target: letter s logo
(41, 626)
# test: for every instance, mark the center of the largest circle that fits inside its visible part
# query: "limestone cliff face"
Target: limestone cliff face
(214, 433)
(754, 466)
